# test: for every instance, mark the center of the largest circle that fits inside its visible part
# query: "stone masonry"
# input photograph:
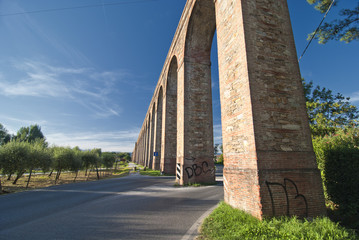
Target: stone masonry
(270, 167)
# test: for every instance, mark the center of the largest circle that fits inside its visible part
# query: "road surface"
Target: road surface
(133, 207)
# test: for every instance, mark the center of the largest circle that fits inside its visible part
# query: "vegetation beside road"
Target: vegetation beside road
(150, 172)
(24, 155)
(226, 222)
(44, 180)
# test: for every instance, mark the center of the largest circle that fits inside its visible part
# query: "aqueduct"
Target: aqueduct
(270, 167)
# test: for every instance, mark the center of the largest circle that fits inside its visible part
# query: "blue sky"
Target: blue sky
(86, 75)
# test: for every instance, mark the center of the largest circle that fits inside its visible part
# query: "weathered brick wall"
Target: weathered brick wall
(158, 131)
(265, 127)
(169, 130)
(270, 165)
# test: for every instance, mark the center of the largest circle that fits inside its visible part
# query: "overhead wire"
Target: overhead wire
(76, 7)
(316, 31)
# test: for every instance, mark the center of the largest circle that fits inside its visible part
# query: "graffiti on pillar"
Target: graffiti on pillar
(196, 170)
(285, 188)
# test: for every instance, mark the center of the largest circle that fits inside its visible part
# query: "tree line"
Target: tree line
(28, 151)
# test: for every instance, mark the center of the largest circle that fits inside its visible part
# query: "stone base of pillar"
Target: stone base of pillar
(168, 166)
(196, 170)
(275, 192)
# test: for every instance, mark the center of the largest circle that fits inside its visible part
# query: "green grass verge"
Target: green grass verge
(195, 184)
(226, 222)
(150, 172)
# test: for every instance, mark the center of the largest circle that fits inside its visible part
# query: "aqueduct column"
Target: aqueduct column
(169, 130)
(195, 124)
(158, 132)
(270, 166)
(147, 142)
(151, 134)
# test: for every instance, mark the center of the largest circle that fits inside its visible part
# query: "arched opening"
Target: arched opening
(195, 147)
(158, 132)
(151, 134)
(169, 130)
(147, 158)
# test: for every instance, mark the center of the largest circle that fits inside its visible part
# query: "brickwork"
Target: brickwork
(270, 166)
(169, 132)
(158, 132)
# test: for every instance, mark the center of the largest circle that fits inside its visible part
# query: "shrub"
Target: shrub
(338, 160)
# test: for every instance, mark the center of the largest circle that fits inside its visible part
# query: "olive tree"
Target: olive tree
(15, 158)
(39, 157)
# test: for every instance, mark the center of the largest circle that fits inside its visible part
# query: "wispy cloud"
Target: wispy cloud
(14, 124)
(354, 97)
(121, 141)
(85, 86)
(217, 133)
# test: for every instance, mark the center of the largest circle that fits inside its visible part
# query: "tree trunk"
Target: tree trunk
(0, 187)
(88, 175)
(76, 175)
(57, 176)
(18, 177)
(28, 181)
(51, 172)
(98, 176)
(86, 172)
(9, 177)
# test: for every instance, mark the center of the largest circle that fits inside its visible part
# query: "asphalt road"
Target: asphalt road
(134, 207)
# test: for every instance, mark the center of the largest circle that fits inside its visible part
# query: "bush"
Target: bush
(338, 161)
(226, 222)
(220, 159)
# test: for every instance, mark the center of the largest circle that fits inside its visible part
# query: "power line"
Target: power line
(316, 31)
(76, 7)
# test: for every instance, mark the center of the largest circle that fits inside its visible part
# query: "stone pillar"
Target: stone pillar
(169, 120)
(158, 133)
(270, 166)
(147, 144)
(150, 144)
(195, 145)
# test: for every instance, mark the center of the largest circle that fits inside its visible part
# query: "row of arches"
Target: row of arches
(157, 143)
(268, 154)
(178, 128)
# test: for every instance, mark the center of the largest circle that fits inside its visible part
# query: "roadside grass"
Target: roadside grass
(150, 172)
(195, 184)
(226, 222)
(44, 180)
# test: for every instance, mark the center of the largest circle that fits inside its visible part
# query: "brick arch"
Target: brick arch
(195, 148)
(200, 31)
(151, 135)
(148, 125)
(266, 136)
(158, 130)
(169, 130)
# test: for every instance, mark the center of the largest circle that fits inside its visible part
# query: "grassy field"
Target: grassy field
(44, 180)
(226, 222)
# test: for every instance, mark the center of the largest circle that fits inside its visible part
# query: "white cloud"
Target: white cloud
(217, 133)
(354, 97)
(36, 85)
(85, 86)
(13, 124)
(119, 141)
